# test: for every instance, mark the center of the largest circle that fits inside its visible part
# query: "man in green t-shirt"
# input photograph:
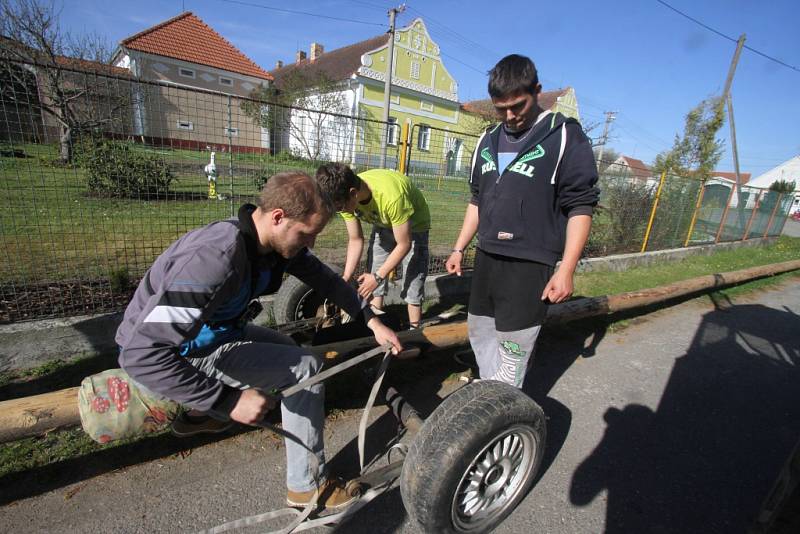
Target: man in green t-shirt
(400, 223)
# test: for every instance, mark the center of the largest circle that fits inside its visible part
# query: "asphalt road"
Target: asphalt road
(679, 422)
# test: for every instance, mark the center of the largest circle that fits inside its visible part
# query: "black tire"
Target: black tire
(296, 300)
(445, 484)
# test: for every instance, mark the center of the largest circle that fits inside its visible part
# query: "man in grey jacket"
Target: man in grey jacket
(185, 333)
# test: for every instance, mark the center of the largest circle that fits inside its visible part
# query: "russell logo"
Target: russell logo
(520, 166)
(490, 164)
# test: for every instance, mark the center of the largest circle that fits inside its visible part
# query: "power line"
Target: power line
(370, 5)
(455, 34)
(638, 139)
(709, 28)
(433, 23)
(306, 13)
(476, 69)
(626, 119)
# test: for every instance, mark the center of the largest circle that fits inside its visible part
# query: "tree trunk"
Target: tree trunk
(66, 144)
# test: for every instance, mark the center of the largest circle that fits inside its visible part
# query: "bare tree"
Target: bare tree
(304, 107)
(56, 73)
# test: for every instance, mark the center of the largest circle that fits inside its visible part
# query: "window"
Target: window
(426, 106)
(188, 73)
(424, 140)
(225, 81)
(415, 70)
(392, 131)
(233, 132)
(185, 125)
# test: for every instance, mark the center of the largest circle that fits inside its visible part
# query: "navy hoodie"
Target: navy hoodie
(523, 209)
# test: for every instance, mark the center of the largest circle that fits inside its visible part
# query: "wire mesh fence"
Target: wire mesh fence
(102, 171)
(438, 163)
(95, 189)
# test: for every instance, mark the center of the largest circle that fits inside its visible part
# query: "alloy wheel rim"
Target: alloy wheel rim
(494, 479)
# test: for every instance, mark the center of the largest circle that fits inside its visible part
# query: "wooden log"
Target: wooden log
(34, 415)
(31, 416)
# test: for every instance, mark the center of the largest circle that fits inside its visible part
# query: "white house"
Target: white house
(788, 171)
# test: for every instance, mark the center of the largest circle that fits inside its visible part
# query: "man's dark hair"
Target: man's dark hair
(335, 181)
(513, 74)
(296, 193)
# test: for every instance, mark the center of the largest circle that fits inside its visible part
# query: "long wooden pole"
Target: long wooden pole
(653, 211)
(30, 416)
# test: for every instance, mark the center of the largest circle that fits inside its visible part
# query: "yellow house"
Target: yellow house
(424, 95)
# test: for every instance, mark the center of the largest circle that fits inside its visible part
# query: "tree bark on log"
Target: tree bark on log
(38, 414)
(30, 416)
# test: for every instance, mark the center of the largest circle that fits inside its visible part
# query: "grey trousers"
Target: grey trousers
(503, 356)
(267, 360)
(415, 263)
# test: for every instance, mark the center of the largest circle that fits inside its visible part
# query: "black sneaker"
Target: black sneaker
(188, 425)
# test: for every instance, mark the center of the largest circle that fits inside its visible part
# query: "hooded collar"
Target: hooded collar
(248, 230)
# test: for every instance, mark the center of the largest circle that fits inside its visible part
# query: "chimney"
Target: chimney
(279, 64)
(316, 51)
(300, 56)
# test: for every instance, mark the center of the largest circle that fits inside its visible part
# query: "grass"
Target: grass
(53, 230)
(592, 284)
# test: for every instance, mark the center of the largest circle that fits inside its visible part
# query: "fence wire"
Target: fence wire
(101, 172)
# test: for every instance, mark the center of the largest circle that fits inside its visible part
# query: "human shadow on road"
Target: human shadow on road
(706, 458)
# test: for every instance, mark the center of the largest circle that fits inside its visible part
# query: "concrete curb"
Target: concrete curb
(31, 344)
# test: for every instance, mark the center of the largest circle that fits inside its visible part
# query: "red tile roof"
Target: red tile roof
(745, 176)
(637, 167)
(485, 108)
(188, 38)
(94, 66)
(74, 63)
(336, 65)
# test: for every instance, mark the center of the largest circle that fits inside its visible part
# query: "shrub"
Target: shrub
(118, 169)
(119, 279)
(625, 211)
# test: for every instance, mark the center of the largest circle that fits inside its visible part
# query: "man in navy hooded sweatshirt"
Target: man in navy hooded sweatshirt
(533, 191)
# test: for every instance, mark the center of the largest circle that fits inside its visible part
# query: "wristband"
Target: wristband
(459, 250)
(378, 278)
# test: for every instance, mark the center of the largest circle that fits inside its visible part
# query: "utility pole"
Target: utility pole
(732, 69)
(726, 99)
(387, 88)
(610, 116)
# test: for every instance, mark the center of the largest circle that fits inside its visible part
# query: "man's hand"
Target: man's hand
(252, 406)
(366, 285)
(384, 335)
(559, 288)
(453, 264)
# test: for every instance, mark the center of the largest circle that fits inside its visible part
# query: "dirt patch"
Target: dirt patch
(59, 299)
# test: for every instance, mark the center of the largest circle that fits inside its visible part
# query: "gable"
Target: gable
(418, 65)
(188, 38)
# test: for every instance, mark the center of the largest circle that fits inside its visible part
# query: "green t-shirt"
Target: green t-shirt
(394, 201)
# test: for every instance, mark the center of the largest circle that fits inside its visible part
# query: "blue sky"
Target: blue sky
(636, 57)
